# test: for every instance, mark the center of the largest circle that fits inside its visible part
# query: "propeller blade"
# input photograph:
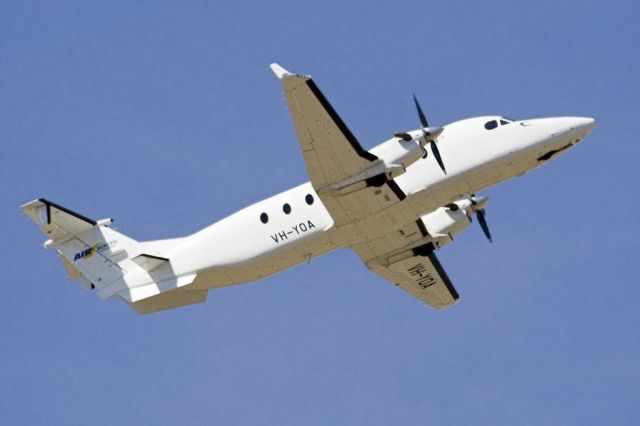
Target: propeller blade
(425, 126)
(436, 153)
(423, 119)
(483, 224)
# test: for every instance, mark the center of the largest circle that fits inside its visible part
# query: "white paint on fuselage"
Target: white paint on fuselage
(241, 248)
(484, 157)
(242, 239)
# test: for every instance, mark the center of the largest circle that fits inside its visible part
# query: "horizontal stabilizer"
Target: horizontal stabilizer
(169, 300)
(136, 294)
(55, 221)
(149, 262)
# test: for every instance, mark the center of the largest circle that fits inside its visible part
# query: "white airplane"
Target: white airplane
(392, 204)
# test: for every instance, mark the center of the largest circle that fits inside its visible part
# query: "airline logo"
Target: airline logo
(90, 251)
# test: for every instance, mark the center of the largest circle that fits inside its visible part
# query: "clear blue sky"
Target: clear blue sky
(166, 117)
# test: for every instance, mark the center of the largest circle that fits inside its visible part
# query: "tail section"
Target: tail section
(99, 257)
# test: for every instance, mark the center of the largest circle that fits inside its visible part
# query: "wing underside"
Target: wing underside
(405, 257)
(421, 276)
(356, 191)
(349, 180)
(331, 152)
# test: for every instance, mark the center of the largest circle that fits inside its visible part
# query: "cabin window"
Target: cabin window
(264, 218)
(490, 125)
(309, 199)
(286, 208)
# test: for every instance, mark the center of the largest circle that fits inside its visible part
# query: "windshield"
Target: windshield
(490, 125)
(502, 121)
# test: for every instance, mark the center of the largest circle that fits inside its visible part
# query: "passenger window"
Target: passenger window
(286, 208)
(490, 125)
(309, 199)
(264, 218)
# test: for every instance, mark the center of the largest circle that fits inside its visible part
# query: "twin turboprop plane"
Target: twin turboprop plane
(394, 205)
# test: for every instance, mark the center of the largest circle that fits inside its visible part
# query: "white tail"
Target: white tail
(99, 257)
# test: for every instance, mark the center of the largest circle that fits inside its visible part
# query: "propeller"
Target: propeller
(430, 135)
(478, 208)
(483, 224)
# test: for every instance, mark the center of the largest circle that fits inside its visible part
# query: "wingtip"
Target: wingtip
(279, 71)
(32, 203)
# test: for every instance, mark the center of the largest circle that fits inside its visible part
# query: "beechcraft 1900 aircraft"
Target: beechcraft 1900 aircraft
(394, 204)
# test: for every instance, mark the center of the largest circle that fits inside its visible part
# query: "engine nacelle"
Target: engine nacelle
(399, 153)
(445, 222)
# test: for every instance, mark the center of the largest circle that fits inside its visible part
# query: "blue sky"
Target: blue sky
(167, 118)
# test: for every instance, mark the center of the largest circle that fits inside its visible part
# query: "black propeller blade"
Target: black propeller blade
(480, 213)
(423, 119)
(436, 153)
(483, 224)
(432, 143)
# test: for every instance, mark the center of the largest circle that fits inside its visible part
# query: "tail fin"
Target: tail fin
(102, 258)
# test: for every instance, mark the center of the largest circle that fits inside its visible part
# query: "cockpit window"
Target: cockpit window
(490, 125)
(503, 122)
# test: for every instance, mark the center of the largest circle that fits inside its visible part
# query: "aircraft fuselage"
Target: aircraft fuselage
(294, 226)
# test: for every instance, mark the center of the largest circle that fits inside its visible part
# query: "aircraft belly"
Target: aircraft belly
(266, 264)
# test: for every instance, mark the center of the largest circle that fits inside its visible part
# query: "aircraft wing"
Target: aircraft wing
(400, 258)
(335, 161)
(334, 158)
(421, 276)
(330, 150)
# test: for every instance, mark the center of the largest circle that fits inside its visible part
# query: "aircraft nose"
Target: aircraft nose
(574, 127)
(557, 134)
(584, 125)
